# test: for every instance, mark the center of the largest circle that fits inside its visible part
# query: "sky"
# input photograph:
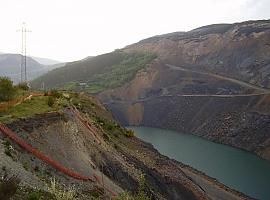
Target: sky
(68, 30)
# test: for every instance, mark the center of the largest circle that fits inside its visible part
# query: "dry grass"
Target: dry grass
(61, 193)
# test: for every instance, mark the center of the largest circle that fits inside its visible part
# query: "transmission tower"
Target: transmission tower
(23, 32)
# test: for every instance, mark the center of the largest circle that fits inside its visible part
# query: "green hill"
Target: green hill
(96, 74)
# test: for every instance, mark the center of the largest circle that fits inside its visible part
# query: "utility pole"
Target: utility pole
(23, 31)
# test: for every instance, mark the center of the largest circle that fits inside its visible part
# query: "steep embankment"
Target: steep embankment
(87, 142)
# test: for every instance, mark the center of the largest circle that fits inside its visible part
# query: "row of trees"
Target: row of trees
(8, 90)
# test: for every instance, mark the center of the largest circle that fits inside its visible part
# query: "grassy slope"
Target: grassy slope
(99, 73)
(27, 108)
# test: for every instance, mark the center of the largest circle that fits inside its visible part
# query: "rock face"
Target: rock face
(212, 81)
(237, 50)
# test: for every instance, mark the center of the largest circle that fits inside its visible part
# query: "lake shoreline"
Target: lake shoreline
(199, 171)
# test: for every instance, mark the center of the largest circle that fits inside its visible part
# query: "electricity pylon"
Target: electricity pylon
(23, 32)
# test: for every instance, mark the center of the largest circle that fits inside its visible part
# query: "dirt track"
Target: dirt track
(242, 83)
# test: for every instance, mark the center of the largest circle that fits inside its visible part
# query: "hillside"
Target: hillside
(10, 65)
(213, 81)
(79, 144)
(97, 73)
(238, 50)
(45, 61)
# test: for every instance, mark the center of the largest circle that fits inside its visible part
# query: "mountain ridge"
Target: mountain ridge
(10, 65)
(45, 61)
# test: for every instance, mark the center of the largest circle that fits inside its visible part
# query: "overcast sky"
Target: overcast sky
(68, 30)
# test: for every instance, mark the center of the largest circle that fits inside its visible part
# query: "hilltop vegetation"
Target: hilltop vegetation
(18, 101)
(7, 91)
(97, 74)
(120, 73)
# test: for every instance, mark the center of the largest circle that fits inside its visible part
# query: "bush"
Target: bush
(6, 143)
(8, 152)
(7, 91)
(141, 194)
(56, 94)
(129, 133)
(7, 148)
(51, 101)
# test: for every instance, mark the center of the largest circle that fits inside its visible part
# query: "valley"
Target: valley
(212, 83)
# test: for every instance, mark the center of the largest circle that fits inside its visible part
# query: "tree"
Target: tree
(7, 91)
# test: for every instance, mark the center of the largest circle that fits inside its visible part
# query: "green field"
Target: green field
(27, 108)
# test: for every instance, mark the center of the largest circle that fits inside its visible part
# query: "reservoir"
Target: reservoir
(235, 168)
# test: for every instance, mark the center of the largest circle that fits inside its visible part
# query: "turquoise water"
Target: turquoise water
(235, 168)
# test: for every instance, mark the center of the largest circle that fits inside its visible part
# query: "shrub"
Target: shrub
(56, 94)
(6, 143)
(129, 133)
(141, 194)
(8, 148)
(8, 152)
(51, 101)
(7, 91)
